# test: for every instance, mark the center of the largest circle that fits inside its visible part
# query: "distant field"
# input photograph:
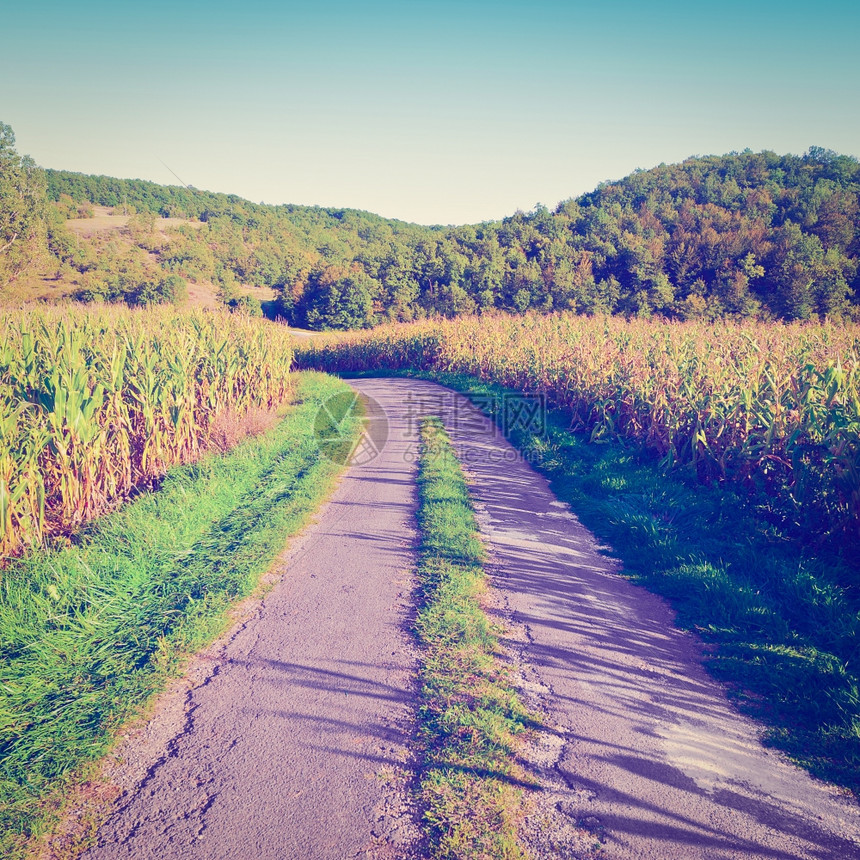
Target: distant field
(45, 288)
(105, 219)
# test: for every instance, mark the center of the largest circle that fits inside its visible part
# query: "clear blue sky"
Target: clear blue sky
(437, 112)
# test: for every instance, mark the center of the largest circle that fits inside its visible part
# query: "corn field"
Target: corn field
(771, 407)
(95, 404)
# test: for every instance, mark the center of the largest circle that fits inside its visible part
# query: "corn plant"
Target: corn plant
(766, 406)
(94, 404)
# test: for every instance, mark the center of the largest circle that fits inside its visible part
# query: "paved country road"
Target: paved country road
(289, 743)
(293, 742)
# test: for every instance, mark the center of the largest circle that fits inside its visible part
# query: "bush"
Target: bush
(247, 305)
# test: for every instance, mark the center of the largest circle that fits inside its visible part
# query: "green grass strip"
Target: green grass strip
(782, 626)
(90, 632)
(470, 715)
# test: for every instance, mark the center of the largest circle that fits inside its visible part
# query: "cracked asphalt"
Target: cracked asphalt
(649, 760)
(292, 739)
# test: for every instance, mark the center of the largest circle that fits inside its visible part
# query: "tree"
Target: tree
(247, 305)
(22, 209)
(337, 298)
(801, 258)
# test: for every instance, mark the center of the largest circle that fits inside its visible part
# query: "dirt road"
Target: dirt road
(652, 759)
(292, 739)
(292, 744)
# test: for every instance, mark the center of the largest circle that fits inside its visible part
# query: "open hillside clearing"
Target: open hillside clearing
(106, 218)
(51, 284)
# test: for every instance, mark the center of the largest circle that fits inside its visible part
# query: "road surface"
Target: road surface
(296, 742)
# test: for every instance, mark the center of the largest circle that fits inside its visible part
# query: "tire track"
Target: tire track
(652, 760)
(294, 741)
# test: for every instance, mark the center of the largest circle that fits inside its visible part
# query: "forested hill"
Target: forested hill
(742, 235)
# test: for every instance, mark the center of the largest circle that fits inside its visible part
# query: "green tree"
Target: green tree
(801, 258)
(337, 299)
(22, 209)
(247, 305)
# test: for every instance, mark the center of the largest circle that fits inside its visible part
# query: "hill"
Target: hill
(740, 235)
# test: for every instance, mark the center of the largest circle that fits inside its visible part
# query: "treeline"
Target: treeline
(239, 243)
(749, 235)
(742, 235)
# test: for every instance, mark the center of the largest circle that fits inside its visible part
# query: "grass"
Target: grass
(470, 716)
(780, 623)
(90, 632)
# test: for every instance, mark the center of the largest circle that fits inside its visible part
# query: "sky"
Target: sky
(444, 112)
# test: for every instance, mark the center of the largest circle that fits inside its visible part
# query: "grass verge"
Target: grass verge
(781, 627)
(470, 715)
(90, 632)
